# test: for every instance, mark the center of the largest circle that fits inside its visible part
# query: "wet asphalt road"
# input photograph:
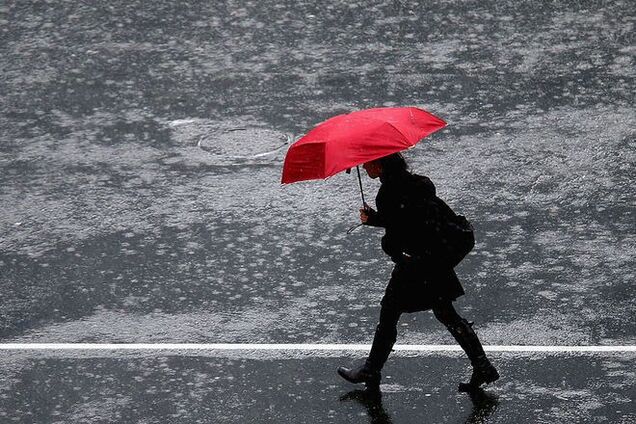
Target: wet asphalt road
(140, 155)
(231, 389)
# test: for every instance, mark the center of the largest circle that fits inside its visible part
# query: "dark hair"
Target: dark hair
(394, 164)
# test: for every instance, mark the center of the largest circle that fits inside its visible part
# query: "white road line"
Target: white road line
(301, 347)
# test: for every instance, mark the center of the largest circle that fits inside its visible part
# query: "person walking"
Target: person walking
(415, 222)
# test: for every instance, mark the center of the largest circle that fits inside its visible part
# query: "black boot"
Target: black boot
(383, 340)
(483, 373)
(483, 370)
(364, 374)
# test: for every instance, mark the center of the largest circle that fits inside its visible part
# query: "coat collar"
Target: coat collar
(396, 177)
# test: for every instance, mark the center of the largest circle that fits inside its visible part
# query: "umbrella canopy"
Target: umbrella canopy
(348, 140)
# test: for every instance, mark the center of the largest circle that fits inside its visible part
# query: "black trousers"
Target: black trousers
(414, 287)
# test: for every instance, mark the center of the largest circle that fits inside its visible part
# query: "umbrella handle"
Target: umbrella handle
(355, 227)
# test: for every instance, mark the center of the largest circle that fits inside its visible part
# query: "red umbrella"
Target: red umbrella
(348, 140)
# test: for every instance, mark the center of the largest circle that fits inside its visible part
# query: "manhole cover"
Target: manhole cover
(229, 140)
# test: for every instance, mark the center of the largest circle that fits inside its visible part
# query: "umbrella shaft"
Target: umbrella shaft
(364, 203)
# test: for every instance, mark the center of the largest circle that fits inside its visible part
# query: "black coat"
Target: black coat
(417, 282)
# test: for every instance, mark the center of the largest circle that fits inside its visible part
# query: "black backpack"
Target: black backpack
(434, 231)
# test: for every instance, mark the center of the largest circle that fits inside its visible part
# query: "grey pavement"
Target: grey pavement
(141, 146)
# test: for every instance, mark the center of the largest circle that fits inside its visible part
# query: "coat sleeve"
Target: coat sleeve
(387, 202)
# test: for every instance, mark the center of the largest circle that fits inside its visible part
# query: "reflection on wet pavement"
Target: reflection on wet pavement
(372, 401)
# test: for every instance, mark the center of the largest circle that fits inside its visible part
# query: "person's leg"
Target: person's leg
(462, 331)
(385, 335)
(383, 341)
